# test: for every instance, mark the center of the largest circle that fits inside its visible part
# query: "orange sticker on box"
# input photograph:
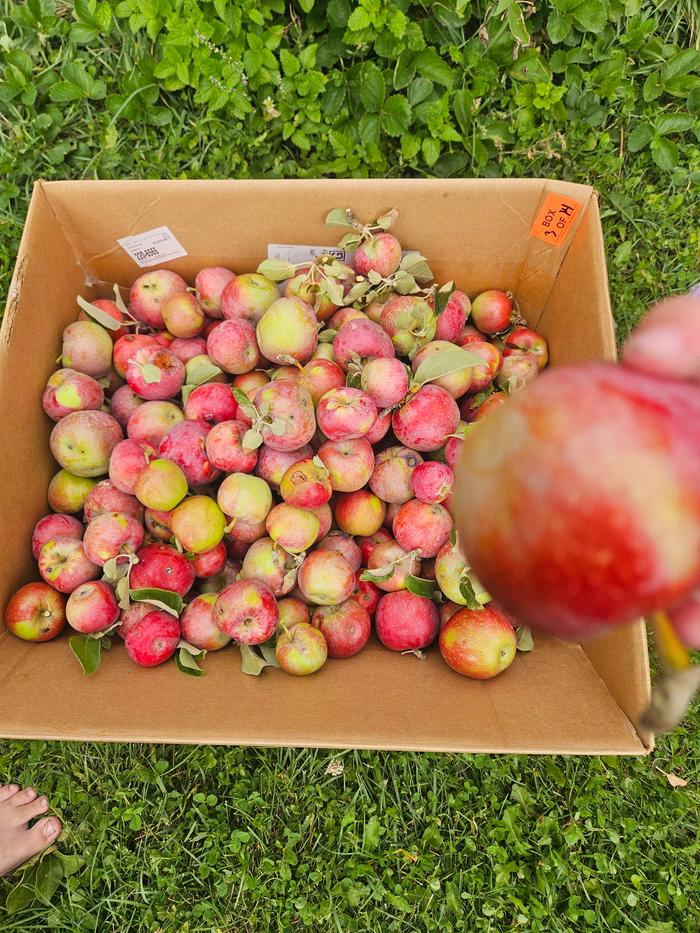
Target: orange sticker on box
(555, 218)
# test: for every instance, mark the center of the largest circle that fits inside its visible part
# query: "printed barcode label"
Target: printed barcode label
(555, 218)
(152, 247)
(297, 254)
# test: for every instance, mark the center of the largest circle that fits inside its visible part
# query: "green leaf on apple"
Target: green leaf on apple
(122, 593)
(404, 282)
(244, 402)
(267, 649)
(350, 241)
(379, 575)
(97, 314)
(186, 658)
(186, 392)
(327, 335)
(251, 662)
(417, 265)
(150, 373)
(252, 439)
(205, 372)
(87, 650)
(165, 600)
(119, 302)
(420, 587)
(278, 427)
(386, 220)
(276, 269)
(523, 638)
(333, 290)
(443, 296)
(445, 362)
(467, 592)
(340, 217)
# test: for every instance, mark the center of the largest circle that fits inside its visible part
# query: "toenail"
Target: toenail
(13, 788)
(50, 829)
(42, 801)
(30, 793)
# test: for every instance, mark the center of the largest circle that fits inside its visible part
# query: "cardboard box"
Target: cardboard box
(560, 698)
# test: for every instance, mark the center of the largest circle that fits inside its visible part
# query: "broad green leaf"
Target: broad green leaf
(430, 65)
(186, 392)
(443, 296)
(186, 658)
(379, 575)
(351, 241)
(667, 123)
(87, 650)
(404, 70)
(640, 137)
(71, 863)
(404, 283)
(431, 150)
(339, 217)
(97, 314)
(417, 265)
(277, 270)
(467, 592)
(49, 874)
(369, 128)
(372, 88)
(122, 593)
(327, 335)
(531, 68)
(119, 302)
(558, 26)
(333, 291)
(516, 23)
(664, 152)
(462, 103)
(590, 15)
(419, 90)
(682, 63)
(386, 221)
(243, 400)
(252, 662)
(21, 895)
(252, 439)
(396, 115)
(162, 599)
(445, 362)
(278, 427)
(420, 587)
(151, 374)
(267, 648)
(523, 638)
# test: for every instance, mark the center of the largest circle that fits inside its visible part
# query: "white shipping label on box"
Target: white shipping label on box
(153, 247)
(297, 254)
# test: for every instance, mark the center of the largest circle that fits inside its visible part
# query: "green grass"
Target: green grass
(198, 839)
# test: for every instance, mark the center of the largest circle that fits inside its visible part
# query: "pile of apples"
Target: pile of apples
(267, 459)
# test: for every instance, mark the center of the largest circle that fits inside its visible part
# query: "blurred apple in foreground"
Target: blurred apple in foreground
(578, 502)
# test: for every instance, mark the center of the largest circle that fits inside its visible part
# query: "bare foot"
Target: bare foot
(18, 840)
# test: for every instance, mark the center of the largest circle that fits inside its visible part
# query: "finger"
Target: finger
(667, 341)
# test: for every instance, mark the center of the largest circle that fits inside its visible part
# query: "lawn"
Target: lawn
(167, 838)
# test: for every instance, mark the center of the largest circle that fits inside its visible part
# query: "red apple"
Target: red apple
(36, 612)
(478, 643)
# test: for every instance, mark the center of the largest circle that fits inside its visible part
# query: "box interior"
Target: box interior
(560, 698)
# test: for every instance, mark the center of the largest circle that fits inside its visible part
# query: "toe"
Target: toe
(29, 810)
(29, 842)
(24, 796)
(7, 791)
